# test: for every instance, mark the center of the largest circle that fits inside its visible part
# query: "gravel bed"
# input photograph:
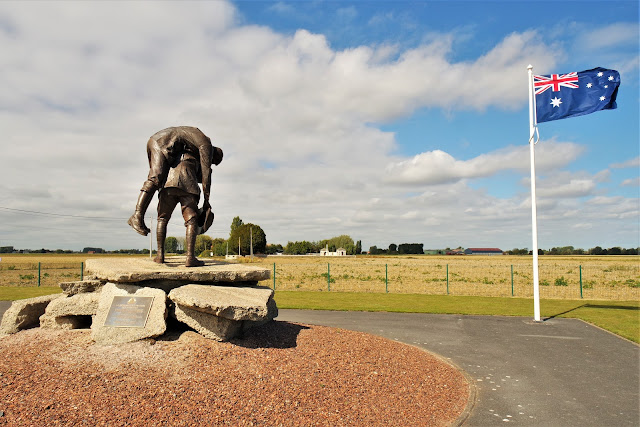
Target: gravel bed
(277, 374)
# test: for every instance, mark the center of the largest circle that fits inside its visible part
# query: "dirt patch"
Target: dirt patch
(277, 374)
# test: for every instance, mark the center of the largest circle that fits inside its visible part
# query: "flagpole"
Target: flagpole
(534, 215)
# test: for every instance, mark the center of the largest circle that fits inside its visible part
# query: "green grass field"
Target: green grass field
(619, 317)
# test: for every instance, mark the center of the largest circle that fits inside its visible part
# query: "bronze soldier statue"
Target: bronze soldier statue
(179, 158)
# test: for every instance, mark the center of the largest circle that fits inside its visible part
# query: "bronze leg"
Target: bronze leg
(192, 233)
(137, 219)
(161, 233)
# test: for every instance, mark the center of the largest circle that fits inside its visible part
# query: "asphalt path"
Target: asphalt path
(560, 372)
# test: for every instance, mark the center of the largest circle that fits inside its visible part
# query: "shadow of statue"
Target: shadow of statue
(273, 334)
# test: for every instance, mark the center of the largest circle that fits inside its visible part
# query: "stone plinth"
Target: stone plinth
(233, 303)
(70, 312)
(155, 323)
(25, 313)
(221, 312)
(173, 273)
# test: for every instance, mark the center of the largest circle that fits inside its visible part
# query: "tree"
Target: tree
(248, 233)
(274, 249)
(203, 243)
(358, 247)
(235, 223)
(219, 246)
(411, 248)
(300, 248)
(344, 241)
(393, 248)
(181, 241)
(171, 245)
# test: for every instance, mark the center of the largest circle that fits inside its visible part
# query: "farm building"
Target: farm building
(338, 252)
(483, 251)
(434, 251)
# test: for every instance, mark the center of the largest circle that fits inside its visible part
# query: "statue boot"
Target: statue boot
(192, 233)
(161, 234)
(137, 219)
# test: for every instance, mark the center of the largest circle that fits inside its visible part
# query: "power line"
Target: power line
(63, 215)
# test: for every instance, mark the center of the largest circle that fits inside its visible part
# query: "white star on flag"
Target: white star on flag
(600, 74)
(610, 78)
(589, 85)
(556, 102)
(602, 98)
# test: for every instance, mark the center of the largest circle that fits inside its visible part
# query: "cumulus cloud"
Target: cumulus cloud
(438, 167)
(298, 121)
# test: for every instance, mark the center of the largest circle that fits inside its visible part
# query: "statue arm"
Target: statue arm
(205, 167)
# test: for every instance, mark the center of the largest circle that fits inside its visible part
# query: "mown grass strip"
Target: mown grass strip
(11, 293)
(619, 317)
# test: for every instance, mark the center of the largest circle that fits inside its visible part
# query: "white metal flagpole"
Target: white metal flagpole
(534, 215)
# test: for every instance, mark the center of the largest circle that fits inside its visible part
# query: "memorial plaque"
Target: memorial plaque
(128, 312)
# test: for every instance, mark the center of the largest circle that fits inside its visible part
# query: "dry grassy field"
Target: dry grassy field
(602, 277)
(22, 269)
(562, 277)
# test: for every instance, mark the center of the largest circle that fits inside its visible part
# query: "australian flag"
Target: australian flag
(559, 96)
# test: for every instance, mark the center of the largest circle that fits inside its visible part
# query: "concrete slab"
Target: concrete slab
(233, 303)
(24, 313)
(132, 270)
(70, 312)
(155, 324)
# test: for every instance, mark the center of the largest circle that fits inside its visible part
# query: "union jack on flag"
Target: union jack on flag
(575, 94)
(555, 81)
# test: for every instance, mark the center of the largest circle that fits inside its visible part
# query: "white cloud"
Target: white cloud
(613, 35)
(631, 182)
(437, 167)
(631, 163)
(297, 121)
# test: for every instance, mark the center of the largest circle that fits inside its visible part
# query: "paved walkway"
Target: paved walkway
(562, 372)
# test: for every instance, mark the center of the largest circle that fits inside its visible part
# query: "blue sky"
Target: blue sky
(392, 122)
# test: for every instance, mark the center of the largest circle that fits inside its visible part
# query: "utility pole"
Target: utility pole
(251, 241)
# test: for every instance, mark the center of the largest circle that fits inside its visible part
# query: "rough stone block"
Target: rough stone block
(25, 313)
(135, 270)
(229, 302)
(81, 286)
(70, 312)
(208, 325)
(156, 321)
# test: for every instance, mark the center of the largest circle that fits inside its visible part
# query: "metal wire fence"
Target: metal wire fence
(40, 273)
(588, 277)
(558, 279)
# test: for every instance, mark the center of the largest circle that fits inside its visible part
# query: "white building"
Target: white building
(338, 252)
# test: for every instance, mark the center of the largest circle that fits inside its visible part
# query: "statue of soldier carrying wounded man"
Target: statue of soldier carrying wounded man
(179, 158)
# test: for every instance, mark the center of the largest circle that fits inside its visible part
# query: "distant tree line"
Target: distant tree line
(570, 250)
(403, 249)
(333, 244)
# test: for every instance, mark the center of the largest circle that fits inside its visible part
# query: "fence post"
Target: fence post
(38, 274)
(328, 277)
(386, 278)
(82, 271)
(580, 282)
(511, 279)
(274, 276)
(447, 279)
